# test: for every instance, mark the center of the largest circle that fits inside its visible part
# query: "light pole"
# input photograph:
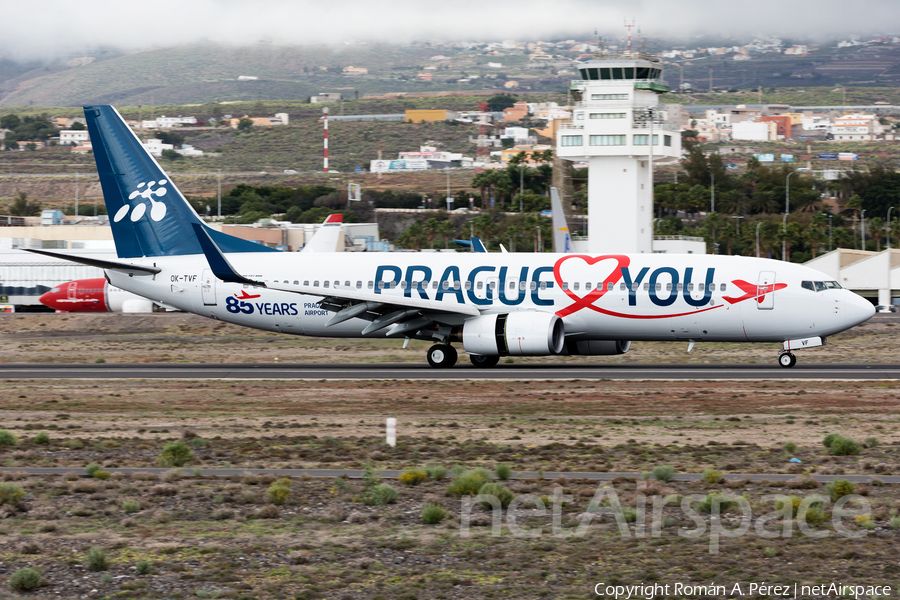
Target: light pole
(829, 231)
(787, 209)
(521, 184)
(862, 229)
(712, 190)
(472, 234)
(540, 245)
(889, 229)
(219, 179)
(757, 238)
(76, 193)
(449, 198)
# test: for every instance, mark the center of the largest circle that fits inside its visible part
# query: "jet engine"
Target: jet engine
(596, 347)
(526, 333)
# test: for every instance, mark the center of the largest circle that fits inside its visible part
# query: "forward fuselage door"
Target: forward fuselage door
(208, 288)
(765, 288)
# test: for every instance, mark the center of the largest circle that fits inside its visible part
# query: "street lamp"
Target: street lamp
(862, 229)
(829, 231)
(757, 238)
(712, 190)
(449, 198)
(787, 209)
(521, 184)
(889, 228)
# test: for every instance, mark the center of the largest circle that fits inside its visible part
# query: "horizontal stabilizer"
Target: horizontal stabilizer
(96, 262)
(217, 261)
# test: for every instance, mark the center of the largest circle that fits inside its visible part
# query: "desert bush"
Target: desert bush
(144, 476)
(865, 521)
(42, 438)
(269, 511)
(711, 475)
(895, 522)
(71, 476)
(829, 439)
(842, 446)
(790, 447)
(433, 513)
(131, 506)
(663, 472)
(143, 567)
(385, 494)
(279, 491)
(468, 483)
(175, 454)
(838, 488)
(85, 486)
(7, 438)
(11, 493)
(436, 473)
(503, 471)
(25, 580)
(771, 552)
(171, 476)
(499, 491)
(412, 477)
(871, 442)
(707, 503)
(102, 475)
(92, 468)
(199, 442)
(97, 560)
(28, 547)
(221, 515)
(792, 501)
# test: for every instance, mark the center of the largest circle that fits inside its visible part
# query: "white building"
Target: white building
(860, 127)
(815, 122)
(618, 128)
(155, 146)
(758, 132)
(73, 137)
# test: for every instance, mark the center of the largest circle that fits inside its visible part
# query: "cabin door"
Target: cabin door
(765, 288)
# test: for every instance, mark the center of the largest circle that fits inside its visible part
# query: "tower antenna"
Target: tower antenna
(629, 28)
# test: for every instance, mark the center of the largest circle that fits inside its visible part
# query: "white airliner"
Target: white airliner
(496, 305)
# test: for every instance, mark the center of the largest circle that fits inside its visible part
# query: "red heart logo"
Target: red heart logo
(588, 300)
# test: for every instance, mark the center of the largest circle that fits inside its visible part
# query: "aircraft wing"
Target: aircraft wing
(562, 241)
(399, 315)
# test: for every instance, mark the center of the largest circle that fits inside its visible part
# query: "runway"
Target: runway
(462, 371)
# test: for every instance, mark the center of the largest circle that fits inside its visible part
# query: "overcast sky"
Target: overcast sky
(52, 28)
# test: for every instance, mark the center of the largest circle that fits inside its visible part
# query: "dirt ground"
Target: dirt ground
(178, 535)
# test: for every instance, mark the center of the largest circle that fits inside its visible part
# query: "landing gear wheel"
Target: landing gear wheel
(787, 360)
(484, 362)
(442, 356)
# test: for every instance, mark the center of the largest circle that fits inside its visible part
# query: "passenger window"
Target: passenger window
(512, 284)
(456, 285)
(576, 285)
(492, 285)
(820, 286)
(346, 283)
(306, 282)
(634, 287)
(336, 283)
(679, 287)
(434, 285)
(701, 286)
(403, 285)
(721, 287)
(468, 285)
(393, 284)
(479, 285)
(532, 285)
(622, 286)
(808, 285)
(543, 285)
(445, 285)
(325, 283)
(359, 285)
(371, 285)
(646, 287)
(296, 283)
(668, 287)
(690, 287)
(522, 285)
(587, 286)
(380, 285)
(565, 285)
(315, 284)
(610, 286)
(658, 287)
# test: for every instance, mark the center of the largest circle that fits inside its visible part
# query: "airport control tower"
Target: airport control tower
(615, 114)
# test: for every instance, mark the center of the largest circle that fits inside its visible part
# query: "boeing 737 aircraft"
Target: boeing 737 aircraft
(494, 304)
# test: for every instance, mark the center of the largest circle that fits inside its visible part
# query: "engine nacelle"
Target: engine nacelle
(597, 347)
(137, 305)
(526, 333)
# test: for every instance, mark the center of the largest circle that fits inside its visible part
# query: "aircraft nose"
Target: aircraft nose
(858, 309)
(48, 299)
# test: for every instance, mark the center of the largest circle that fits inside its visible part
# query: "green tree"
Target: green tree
(22, 207)
(244, 124)
(446, 230)
(170, 154)
(499, 102)
(77, 126)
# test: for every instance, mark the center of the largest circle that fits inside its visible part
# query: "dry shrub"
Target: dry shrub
(162, 516)
(171, 476)
(736, 483)
(163, 489)
(359, 517)
(85, 486)
(48, 513)
(582, 493)
(802, 483)
(335, 514)
(144, 476)
(71, 476)
(128, 522)
(561, 481)
(117, 476)
(269, 511)
(221, 515)
(298, 557)
(28, 547)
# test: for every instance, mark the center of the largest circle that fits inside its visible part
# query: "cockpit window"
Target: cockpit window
(820, 286)
(808, 285)
(833, 285)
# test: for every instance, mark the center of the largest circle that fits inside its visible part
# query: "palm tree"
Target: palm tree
(876, 227)
(512, 232)
(446, 230)
(412, 237)
(430, 229)
(712, 222)
(816, 234)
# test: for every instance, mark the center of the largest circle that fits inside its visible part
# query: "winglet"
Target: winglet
(217, 261)
(478, 245)
(334, 218)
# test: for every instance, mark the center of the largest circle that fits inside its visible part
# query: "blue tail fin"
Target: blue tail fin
(148, 215)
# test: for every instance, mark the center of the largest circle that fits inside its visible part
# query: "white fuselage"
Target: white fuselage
(612, 297)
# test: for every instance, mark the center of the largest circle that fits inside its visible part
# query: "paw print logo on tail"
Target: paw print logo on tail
(145, 191)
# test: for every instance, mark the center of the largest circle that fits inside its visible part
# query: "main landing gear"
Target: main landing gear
(484, 362)
(787, 360)
(442, 356)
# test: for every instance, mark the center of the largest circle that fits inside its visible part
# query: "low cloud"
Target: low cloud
(60, 27)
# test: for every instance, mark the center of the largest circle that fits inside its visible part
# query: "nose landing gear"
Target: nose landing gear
(442, 356)
(787, 360)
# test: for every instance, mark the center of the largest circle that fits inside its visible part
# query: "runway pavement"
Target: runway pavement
(460, 371)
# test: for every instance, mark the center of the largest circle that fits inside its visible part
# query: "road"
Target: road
(462, 371)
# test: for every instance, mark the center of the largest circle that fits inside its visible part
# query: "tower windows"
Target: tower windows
(607, 140)
(572, 140)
